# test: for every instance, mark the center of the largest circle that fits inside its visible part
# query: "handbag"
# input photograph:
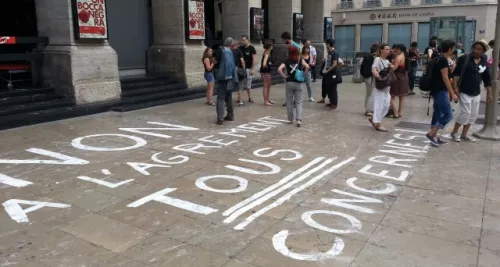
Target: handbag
(386, 78)
(299, 74)
(242, 74)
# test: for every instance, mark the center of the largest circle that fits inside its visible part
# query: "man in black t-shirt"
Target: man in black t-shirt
(441, 91)
(471, 70)
(249, 55)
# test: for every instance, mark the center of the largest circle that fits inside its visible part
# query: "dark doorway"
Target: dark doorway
(265, 6)
(129, 25)
(19, 19)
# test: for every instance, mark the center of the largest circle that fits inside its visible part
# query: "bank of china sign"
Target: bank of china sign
(90, 19)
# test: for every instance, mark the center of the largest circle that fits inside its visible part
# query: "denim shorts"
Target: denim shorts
(209, 77)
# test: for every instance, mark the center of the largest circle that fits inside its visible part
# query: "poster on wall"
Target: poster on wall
(256, 24)
(298, 26)
(90, 19)
(328, 28)
(196, 20)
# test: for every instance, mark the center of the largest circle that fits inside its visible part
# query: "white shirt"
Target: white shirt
(313, 52)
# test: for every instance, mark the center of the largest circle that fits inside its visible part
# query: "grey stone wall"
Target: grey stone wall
(84, 70)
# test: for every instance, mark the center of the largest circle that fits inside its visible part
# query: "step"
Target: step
(143, 83)
(153, 90)
(141, 105)
(26, 91)
(37, 106)
(54, 114)
(158, 96)
(26, 99)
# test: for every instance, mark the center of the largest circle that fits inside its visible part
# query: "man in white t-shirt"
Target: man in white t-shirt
(314, 55)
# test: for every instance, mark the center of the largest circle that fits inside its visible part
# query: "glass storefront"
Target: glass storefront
(423, 36)
(345, 41)
(369, 35)
(400, 34)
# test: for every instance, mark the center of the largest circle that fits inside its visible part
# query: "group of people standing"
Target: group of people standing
(400, 61)
(232, 67)
(453, 76)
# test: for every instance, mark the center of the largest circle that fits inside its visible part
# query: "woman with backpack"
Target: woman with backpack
(400, 87)
(381, 98)
(296, 69)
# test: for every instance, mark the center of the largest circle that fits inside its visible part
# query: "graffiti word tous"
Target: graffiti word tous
(400, 154)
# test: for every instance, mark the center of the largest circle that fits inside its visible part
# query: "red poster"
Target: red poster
(8, 40)
(196, 13)
(92, 20)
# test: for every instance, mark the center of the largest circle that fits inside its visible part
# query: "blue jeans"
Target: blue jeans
(308, 81)
(442, 114)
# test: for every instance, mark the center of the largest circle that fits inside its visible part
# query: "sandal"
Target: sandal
(210, 103)
(381, 129)
(368, 113)
(373, 124)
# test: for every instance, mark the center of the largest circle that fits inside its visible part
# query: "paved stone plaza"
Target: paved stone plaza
(167, 187)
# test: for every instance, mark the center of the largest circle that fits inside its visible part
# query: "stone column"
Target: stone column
(314, 14)
(170, 53)
(385, 33)
(236, 22)
(85, 70)
(281, 20)
(357, 40)
(414, 31)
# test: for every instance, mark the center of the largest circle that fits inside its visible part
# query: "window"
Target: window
(423, 36)
(400, 34)
(344, 41)
(470, 34)
(369, 35)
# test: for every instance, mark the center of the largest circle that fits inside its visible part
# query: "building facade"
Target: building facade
(359, 23)
(151, 36)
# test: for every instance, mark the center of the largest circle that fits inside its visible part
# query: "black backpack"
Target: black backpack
(366, 66)
(425, 83)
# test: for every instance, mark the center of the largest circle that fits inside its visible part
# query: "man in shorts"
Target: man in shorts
(249, 55)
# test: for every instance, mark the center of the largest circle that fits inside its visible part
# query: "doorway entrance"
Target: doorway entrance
(130, 34)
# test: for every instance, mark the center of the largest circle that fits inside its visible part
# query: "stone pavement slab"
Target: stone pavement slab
(165, 186)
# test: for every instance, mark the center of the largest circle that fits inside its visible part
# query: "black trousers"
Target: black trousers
(329, 89)
(313, 72)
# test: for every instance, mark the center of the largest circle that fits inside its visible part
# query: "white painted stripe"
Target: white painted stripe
(277, 191)
(272, 187)
(4, 179)
(286, 197)
(411, 131)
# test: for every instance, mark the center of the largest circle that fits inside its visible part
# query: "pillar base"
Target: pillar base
(182, 62)
(488, 132)
(89, 74)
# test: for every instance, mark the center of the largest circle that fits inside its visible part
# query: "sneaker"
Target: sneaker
(434, 142)
(455, 137)
(227, 118)
(250, 101)
(241, 104)
(441, 141)
(220, 123)
(284, 105)
(299, 123)
(311, 99)
(467, 139)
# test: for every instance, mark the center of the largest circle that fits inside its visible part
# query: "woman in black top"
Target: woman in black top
(265, 71)
(306, 56)
(414, 56)
(294, 86)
